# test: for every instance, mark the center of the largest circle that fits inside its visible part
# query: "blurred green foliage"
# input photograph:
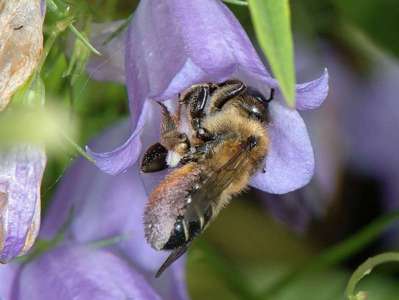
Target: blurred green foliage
(379, 19)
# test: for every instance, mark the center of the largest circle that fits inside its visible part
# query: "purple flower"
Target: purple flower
(171, 45)
(8, 274)
(21, 171)
(77, 272)
(97, 206)
(371, 139)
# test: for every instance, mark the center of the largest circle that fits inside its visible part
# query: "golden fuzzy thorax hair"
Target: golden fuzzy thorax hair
(232, 119)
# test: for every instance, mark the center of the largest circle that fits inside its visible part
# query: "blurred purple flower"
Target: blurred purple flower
(371, 123)
(8, 274)
(21, 171)
(21, 165)
(77, 272)
(104, 207)
(171, 45)
(90, 206)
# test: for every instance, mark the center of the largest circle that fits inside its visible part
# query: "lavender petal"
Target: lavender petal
(8, 275)
(82, 273)
(311, 95)
(21, 171)
(290, 162)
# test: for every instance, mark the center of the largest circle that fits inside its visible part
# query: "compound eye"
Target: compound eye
(178, 236)
(256, 94)
(256, 113)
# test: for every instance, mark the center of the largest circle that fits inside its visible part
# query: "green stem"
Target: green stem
(108, 242)
(364, 269)
(237, 2)
(83, 39)
(78, 148)
(336, 254)
(119, 30)
(63, 13)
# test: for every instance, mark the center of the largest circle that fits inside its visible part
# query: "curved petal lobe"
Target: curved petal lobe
(118, 160)
(290, 162)
(310, 95)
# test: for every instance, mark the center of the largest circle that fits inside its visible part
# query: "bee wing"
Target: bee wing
(212, 185)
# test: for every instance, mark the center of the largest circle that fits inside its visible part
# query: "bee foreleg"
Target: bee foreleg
(271, 96)
(171, 138)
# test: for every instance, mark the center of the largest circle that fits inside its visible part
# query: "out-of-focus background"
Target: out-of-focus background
(281, 247)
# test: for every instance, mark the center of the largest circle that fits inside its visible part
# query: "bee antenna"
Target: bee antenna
(271, 96)
(171, 259)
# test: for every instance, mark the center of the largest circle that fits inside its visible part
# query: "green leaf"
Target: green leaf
(271, 20)
(237, 2)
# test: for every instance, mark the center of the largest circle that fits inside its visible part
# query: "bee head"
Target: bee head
(257, 105)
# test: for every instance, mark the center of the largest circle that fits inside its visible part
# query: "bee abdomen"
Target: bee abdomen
(166, 206)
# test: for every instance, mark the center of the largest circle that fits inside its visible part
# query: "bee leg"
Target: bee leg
(206, 149)
(168, 125)
(227, 90)
(271, 96)
(171, 138)
(172, 258)
(196, 98)
(154, 159)
(176, 143)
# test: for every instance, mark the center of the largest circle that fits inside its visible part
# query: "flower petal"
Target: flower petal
(311, 95)
(179, 35)
(21, 34)
(290, 162)
(118, 160)
(21, 171)
(82, 273)
(110, 66)
(8, 273)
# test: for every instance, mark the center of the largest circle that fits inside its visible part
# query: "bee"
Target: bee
(216, 141)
